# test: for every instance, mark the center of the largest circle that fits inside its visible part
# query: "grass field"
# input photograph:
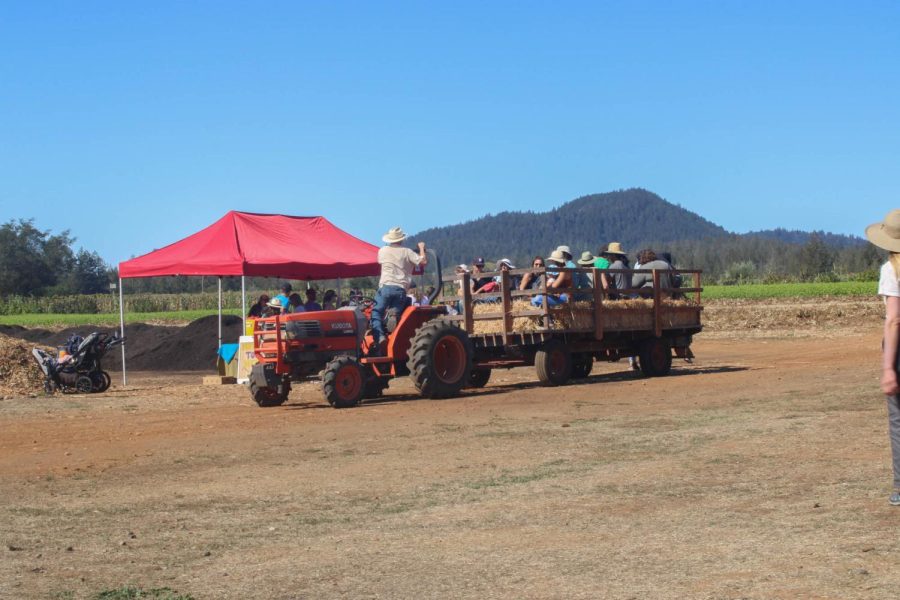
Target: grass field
(711, 292)
(790, 290)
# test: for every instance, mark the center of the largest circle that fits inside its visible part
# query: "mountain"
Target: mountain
(635, 217)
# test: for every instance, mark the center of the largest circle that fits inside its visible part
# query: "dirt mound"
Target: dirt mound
(19, 373)
(791, 316)
(189, 348)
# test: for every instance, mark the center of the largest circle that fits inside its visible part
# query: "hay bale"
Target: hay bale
(632, 313)
(19, 374)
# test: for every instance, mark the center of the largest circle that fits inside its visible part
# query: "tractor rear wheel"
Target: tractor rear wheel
(582, 364)
(440, 359)
(266, 396)
(479, 378)
(344, 382)
(655, 357)
(553, 363)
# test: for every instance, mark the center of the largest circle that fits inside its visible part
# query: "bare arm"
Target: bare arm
(423, 258)
(526, 279)
(891, 341)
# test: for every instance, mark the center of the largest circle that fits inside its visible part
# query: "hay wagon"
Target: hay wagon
(509, 328)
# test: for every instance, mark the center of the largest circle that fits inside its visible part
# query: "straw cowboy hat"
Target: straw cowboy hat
(887, 233)
(557, 256)
(394, 236)
(586, 258)
(275, 303)
(615, 248)
(565, 249)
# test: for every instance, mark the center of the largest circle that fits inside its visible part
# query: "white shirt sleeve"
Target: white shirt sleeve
(888, 285)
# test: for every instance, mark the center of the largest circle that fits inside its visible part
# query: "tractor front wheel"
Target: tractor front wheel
(266, 396)
(440, 359)
(343, 382)
(553, 363)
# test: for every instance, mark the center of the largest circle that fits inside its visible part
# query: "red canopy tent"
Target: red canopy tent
(257, 245)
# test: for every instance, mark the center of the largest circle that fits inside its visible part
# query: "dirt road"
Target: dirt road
(760, 471)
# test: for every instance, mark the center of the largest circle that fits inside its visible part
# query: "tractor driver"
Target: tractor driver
(397, 264)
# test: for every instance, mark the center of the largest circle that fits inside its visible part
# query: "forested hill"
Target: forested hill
(835, 240)
(634, 217)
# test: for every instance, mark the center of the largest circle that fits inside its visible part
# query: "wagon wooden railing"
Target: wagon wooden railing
(596, 295)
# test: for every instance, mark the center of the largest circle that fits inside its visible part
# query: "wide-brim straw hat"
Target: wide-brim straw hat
(586, 258)
(274, 303)
(887, 233)
(394, 236)
(557, 256)
(615, 248)
(565, 249)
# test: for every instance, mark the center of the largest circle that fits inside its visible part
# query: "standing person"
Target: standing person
(285, 295)
(397, 264)
(311, 304)
(886, 235)
(329, 300)
(256, 311)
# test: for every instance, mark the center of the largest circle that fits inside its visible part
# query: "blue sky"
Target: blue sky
(135, 124)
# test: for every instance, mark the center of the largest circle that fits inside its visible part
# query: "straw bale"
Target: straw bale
(19, 374)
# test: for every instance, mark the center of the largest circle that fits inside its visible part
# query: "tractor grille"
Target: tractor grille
(303, 329)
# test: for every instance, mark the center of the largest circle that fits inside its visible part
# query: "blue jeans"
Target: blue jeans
(388, 296)
(551, 300)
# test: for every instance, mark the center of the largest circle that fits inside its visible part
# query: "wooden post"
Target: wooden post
(546, 303)
(507, 305)
(697, 286)
(657, 320)
(467, 304)
(598, 305)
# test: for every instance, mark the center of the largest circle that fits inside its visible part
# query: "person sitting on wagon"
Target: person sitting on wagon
(504, 264)
(533, 279)
(584, 281)
(256, 311)
(617, 260)
(562, 280)
(284, 296)
(644, 281)
(480, 283)
(397, 264)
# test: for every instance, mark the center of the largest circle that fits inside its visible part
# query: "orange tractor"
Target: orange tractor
(333, 345)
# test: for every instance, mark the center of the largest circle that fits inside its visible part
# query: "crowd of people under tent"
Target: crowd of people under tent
(550, 274)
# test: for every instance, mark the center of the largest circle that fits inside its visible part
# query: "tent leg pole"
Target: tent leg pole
(339, 292)
(122, 331)
(220, 311)
(243, 305)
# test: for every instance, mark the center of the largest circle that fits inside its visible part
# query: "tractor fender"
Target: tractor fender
(263, 375)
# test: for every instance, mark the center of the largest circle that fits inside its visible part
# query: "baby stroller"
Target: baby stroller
(80, 369)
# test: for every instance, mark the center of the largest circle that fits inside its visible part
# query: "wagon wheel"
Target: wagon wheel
(655, 357)
(343, 382)
(582, 364)
(266, 396)
(440, 359)
(553, 363)
(479, 378)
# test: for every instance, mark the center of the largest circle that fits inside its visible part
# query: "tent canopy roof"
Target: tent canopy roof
(261, 245)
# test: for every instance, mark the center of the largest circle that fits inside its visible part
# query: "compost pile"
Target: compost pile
(19, 373)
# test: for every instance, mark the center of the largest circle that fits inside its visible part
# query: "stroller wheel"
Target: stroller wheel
(101, 381)
(84, 385)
